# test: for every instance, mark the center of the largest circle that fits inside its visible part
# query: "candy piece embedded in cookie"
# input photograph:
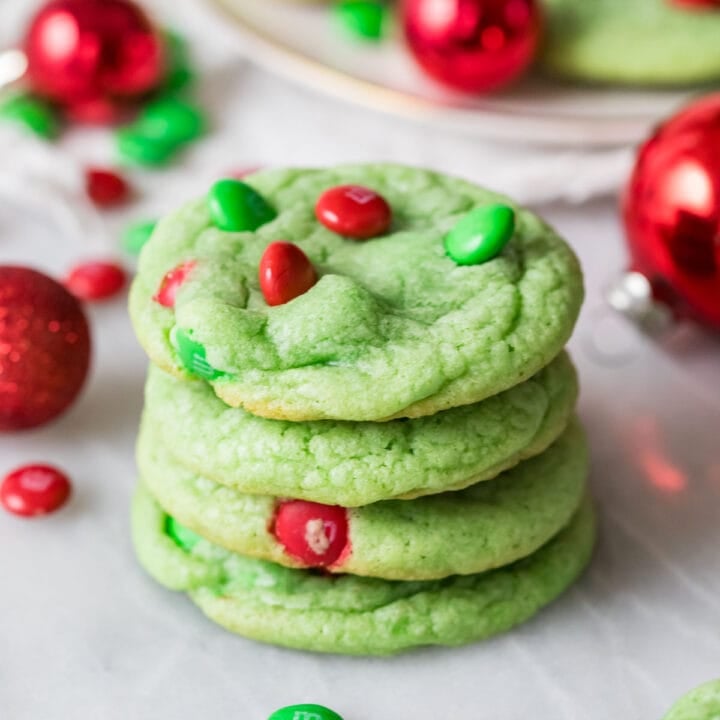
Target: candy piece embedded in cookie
(357, 615)
(487, 525)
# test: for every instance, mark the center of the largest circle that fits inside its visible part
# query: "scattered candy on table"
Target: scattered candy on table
(136, 235)
(96, 280)
(313, 533)
(237, 207)
(285, 273)
(354, 211)
(481, 234)
(306, 711)
(172, 282)
(44, 348)
(106, 188)
(33, 490)
(472, 45)
(364, 19)
(161, 130)
(33, 113)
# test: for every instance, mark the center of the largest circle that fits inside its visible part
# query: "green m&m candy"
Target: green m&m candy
(184, 537)
(136, 148)
(481, 235)
(136, 235)
(237, 207)
(172, 120)
(192, 355)
(307, 711)
(362, 18)
(32, 112)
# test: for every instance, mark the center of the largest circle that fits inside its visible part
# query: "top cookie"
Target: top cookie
(641, 42)
(392, 328)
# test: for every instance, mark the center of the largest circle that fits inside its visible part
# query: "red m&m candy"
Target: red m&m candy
(285, 272)
(34, 490)
(106, 188)
(354, 211)
(96, 280)
(315, 534)
(172, 282)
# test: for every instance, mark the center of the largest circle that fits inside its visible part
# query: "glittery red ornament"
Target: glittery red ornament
(44, 348)
(285, 272)
(472, 45)
(671, 210)
(92, 54)
(34, 490)
(354, 211)
(315, 534)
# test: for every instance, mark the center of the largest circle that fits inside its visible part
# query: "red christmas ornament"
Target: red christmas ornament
(472, 45)
(96, 280)
(92, 55)
(44, 348)
(34, 490)
(285, 272)
(354, 211)
(172, 282)
(106, 188)
(315, 534)
(697, 4)
(671, 209)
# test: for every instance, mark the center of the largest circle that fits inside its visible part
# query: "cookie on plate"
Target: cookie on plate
(357, 463)
(485, 526)
(358, 615)
(393, 327)
(641, 42)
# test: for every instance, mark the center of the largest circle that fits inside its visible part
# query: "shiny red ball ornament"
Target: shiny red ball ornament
(354, 211)
(671, 210)
(472, 45)
(314, 534)
(697, 4)
(93, 281)
(92, 55)
(285, 273)
(34, 490)
(172, 281)
(106, 188)
(44, 348)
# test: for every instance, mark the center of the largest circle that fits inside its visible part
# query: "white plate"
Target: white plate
(303, 43)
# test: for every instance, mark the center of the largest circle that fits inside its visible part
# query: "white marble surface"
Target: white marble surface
(84, 635)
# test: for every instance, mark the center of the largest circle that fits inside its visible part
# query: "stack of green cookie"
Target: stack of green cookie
(367, 444)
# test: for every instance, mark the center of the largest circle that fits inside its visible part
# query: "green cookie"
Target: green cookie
(393, 327)
(351, 463)
(485, 526)
(637, 42)
(702, 703)
(356, 615)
